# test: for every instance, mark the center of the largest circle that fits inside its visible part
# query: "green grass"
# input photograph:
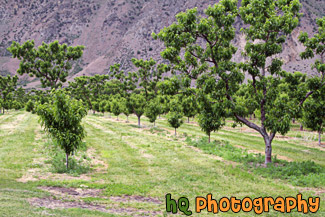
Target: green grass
(150, 162)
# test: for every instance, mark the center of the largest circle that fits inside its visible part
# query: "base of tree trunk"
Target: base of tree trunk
(67, 160)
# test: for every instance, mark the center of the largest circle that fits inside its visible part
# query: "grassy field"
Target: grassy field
(132, 169)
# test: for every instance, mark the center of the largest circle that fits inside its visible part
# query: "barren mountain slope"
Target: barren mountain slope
(115, 31)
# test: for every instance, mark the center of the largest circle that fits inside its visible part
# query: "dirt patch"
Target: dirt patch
(55, 204)
(135, 198)
(73, 192)
(59, 204)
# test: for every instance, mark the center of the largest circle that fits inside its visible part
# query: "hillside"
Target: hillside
(115, 31)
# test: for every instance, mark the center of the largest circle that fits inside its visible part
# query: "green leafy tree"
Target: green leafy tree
(80, 89)
(7, 87)
(315, 47)
(212, 113)
(152, 110)
(138, 102)
(201, 48)
(102, 106)
(189, 106)
(174, 117)
(314, 108)
(61, 118)
(29, 106)
(95, 106)
(108, 107)
(49, 62)
(126, 107)
(149, 74)
(314, 112)
(116, 107)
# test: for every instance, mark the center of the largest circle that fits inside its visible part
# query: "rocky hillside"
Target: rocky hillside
(114, 31)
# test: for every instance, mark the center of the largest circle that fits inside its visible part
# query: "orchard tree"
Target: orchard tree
(201, 48)
(80, 89)
(212, 113)
(189, 106)
(61, 119)
(152, 110)
(149, 74)
(7, 87)
(174, 117)
(138, 102)
(314, 112)
(49, 62)
(102, 105)
(108, 107)
(30, 106)
(116, 107)
(126, 108)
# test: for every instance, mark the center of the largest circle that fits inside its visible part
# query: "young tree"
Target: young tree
(102, 106)
(30, 106)
(174, 117)
(189, 106)
(138, 102)
(116, 107)
(108, 107)
(49, 62)
(61, 118)
(212, 113)
(126, 108)
(152, 110)
(267, 23)
(7, 87)
(314, 112)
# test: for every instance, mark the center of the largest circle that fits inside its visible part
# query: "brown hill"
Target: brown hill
(115, 31)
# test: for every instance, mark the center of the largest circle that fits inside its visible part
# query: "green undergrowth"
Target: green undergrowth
(79, 162)
(305, 173)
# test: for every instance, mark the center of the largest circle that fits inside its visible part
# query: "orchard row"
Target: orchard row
(200, 78)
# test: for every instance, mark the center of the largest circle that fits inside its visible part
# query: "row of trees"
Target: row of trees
(206, 81)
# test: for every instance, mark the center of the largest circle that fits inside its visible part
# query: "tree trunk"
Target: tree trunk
(175, 131)
(138, 121)
(188, 119)
(293, 120)
(117, 118)
(209, 136)
(67, 160)
(127, 119)
(254, 115)
(3, 110)
(250, 117)
(268, 150)
(319, 137)
(93, 111)
(301, 127)
(154, 123)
